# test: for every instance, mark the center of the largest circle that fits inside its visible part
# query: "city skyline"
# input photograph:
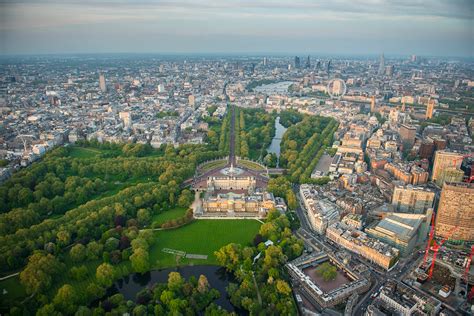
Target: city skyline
(433, 28)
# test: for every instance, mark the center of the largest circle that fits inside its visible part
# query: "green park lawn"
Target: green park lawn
(250, 164)
(165, 216)
(82, 152)
(213, 165)
(14, 290)
(198, 237)
(201, 237)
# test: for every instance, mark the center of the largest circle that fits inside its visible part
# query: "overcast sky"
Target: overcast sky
(422, 27)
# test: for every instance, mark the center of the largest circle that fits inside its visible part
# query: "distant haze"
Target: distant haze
(422, 27)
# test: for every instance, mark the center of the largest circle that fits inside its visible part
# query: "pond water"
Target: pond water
(217, 276)
(276, 141)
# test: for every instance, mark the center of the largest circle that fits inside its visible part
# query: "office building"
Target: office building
(407, 135)
(445, 159)
(456, 210)
(389, 70)
(450, 174)
(429, 109)
(402, 231)
(412, 199)
(381, 65)
(191, 100)
(102, 84)
(359, 242)
(321, 213)
(308, 62)
(126, 118)
(297, 62)
(401, 299)
(372, 104)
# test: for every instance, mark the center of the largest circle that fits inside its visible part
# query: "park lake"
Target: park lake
(276, 141)
(217, 276)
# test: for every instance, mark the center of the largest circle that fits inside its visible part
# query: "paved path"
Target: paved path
(9, 276)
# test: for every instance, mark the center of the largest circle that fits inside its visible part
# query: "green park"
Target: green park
(89, 214)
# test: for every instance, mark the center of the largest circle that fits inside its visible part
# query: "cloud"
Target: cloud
(458, 9)
(260, 22)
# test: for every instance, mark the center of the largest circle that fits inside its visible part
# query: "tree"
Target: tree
(94, 250)
(39, 272)
(78, 253)
(140, 260)
(185, 198)
(66, 299)
(229, 256)
(139, 243)
(47, 310)
(175, 281)
(327, 271)
(64, 237)
(283, 287)
(94, 291)
(78, 273)
(105, 274)
(143, 216)
(203, 284)
(166, 296)
(111, 243)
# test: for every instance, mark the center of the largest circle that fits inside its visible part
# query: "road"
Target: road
(232, 136)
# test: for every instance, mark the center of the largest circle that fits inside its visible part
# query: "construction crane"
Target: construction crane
(430, 238)
(468, 266)
(436, 247)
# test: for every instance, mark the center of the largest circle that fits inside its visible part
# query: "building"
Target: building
(354, 220)
(302, 272)
(429, 109)
(407, 135)
(389, 70)
(402, 231)
(381, 69)
(359, 242)
(426, 149)
(450, 174)
(102, 84)
(445, 159)
(191, 100)
(412, 199)
(308, 62)
(456, 210)
(259, 203)
(400, 299)
(297, 62)
(321, 213)
(372, 104)
(126, 117)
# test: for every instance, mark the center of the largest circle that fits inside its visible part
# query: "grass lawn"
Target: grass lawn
(201, 237)
(250, 164)
(212, 165)
(15, 290)
(83, 152)
(174, 213)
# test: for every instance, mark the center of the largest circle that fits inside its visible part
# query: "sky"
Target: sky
(344, 27)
